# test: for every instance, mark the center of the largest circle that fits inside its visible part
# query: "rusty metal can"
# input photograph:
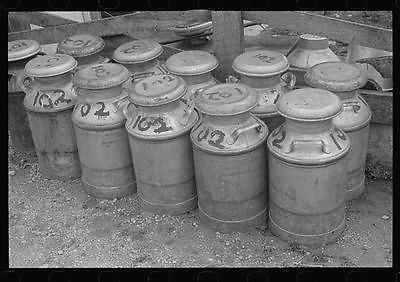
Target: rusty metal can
(265, 71)
(158, 131)
(309, 50)
(140, 57)
(107, 168)
(307, 169)
(230, 158)
(195, 68)
(49, 102)
(19, 53)
(85, 48)
(344, 80)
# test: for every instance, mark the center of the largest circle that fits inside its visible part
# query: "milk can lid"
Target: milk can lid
(309, 104)
(81, 45)
(50, 65)
(191, 63)
(22, 49)
(226, 99)
(157, 90)
(335, 76)
(137, 51)
(101, 76)
(313, 42)
(260, 63)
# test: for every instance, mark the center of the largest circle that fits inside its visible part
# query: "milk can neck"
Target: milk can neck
(169, 107)
(140, 67)
(346, 95)
(87, 60)
(196, 79)
(227, 120)
(308, 127)
(55, 80)
(261, 82)
(101, 94)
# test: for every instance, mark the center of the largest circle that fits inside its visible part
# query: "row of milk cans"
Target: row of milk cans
(240, 151)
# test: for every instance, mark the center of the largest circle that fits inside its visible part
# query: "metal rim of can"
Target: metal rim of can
(153, 51)
(258, 63)
(206, 63)
(83, 51)
(31, 48)
(360, 125)
(50, 65)
(192, 28)
(312, 42)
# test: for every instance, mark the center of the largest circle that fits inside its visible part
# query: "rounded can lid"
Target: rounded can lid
(22, 49)
(313, 42)
(226, 99)
(101, 76)
(260, 63)
(50, 65)
(81, 45)
(309, 104)
(191, 63)
(157, 90)
(137, 51)
(335, 76)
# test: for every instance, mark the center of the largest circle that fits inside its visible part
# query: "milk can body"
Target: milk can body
(49, 102)
(158, 131)
(309, 51)
(230, 158)
(195, 68)
(262, 70)
(140, 57)
(344, 80)
(85, 48)
(19, 53)
(107, 168)
(307, 169)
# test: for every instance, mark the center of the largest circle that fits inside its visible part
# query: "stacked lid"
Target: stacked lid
(50, 65)
(194, 28)
(22, 49)
(191, 63)
(81, 45)
(313, 42)
(137, 51)
(260, 63)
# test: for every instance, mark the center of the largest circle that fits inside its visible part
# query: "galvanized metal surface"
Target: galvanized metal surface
(307, 169)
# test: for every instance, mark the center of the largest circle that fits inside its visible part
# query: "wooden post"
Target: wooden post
(228, 40)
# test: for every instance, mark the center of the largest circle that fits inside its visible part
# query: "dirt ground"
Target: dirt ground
(55, 224)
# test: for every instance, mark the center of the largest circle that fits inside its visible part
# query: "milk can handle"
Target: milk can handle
(163, 68)
(188, 111)
(125, 110)
(323, 145)
(120, 103)
(235, 134)
(354, 104)
(231, 79)
(290, 80)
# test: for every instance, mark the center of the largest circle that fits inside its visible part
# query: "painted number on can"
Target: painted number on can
(100, 112)
(85, 109)
(131, 49)
(145, 123)
(43, 95)
(215, 142)
(49, 62)
(17, 45)
(277, 142)
(77, 42)
(264, 58)
(100, 71)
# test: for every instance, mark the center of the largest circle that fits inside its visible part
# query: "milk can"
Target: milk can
(85, 48)
(307, 169)
(230, 158)
(309, 51)
(262, 70)
(192, 29)
(344, 80)
(140, 58)
(195, 68)
(49, 102)
(19, 53)
(161, 149)
(107, 169)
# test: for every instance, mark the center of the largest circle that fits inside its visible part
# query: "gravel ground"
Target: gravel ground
(55, 224)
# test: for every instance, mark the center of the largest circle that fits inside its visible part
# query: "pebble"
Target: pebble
(385, 217)
(11, 173)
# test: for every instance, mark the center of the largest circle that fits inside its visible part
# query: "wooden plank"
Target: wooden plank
(39, 18)
(228, 40)
(335, 29)
(153, 25)
(16, 25)
(381, 104)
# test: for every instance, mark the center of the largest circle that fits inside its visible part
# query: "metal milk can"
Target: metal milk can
(161, 149)
(107, 169)
(309, 51)
(19, 53)
(195, 68)
(307, 169)
(194, 28)
(140, 58)
(85, 48)
(49, 102)
(262, 70)
(230, 158)
(344, 80)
